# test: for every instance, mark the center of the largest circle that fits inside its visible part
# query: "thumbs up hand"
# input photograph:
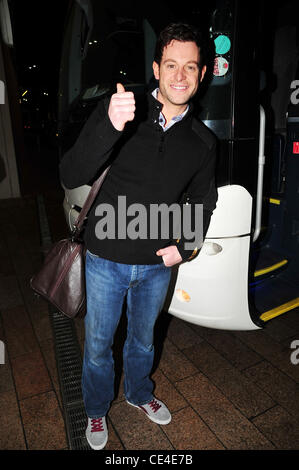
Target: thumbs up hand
(120, 88)
(122, 107)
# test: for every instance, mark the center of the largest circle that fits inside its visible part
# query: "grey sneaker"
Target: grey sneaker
(97, 433)
(155, 410)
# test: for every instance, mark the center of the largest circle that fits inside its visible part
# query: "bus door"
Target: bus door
(246, 295)
(212, 290)
(275, 278)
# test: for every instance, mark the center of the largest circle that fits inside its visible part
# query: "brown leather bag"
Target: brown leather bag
(61, 280)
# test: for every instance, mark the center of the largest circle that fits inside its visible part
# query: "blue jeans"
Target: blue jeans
(107, 284)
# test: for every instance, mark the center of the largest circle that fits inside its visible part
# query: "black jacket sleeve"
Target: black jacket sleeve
(202, 190)
(91, 150)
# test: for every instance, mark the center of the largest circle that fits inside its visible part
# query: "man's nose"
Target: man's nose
(181, 74)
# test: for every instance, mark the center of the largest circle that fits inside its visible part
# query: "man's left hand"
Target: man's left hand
(170, 255)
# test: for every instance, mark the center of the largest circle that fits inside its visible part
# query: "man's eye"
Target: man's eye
(191, 68)
(170, 66)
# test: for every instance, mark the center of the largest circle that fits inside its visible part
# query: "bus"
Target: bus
(247, 271)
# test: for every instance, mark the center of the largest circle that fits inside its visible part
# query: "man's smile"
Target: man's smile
(179, 87)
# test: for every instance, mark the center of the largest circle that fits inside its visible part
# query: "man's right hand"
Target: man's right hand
(122, 107)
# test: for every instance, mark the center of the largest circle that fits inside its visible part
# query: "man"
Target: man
(156, 158)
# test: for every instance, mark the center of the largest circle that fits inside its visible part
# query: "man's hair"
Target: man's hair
(180, 32)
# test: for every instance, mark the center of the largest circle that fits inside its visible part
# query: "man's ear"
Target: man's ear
(203, 71)
(156, 70)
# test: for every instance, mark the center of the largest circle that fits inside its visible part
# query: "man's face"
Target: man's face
(178, 73)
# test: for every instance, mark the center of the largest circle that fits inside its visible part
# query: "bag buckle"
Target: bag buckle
(74, 233)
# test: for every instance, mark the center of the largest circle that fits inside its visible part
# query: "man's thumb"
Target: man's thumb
(120, 88)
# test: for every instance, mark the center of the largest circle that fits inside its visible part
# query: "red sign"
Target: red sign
(295, 147)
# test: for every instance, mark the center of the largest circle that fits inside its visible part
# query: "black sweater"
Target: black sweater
(149, 166)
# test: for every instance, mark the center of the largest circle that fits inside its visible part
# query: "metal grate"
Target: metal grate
(69, 367)
(76, 424)
(68, 358)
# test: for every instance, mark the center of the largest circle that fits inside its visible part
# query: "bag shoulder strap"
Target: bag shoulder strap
(89, 201)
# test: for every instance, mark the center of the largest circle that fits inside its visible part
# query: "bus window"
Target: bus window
(109, 43)
(115, 49)
(118, 58)
(219, 92)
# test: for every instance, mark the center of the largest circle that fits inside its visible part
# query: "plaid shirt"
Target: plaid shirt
(162, 119)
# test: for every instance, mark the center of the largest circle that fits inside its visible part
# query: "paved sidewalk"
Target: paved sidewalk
(226, 390)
